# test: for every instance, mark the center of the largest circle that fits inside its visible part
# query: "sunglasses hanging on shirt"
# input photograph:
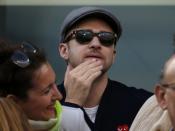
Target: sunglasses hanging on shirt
(85, 36)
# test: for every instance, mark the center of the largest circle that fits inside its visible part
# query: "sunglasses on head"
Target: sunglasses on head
(85, 36)
(20, 58)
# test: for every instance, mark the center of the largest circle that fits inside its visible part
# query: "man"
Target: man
(158, 112)
(165, 90)
(92, 33)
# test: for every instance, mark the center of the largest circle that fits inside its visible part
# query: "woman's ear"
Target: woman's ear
(160, 93)
(64, 51)
(13, 97)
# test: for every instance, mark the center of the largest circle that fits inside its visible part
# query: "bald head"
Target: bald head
(168, 74)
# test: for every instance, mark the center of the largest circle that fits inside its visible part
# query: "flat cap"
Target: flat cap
(81, 13)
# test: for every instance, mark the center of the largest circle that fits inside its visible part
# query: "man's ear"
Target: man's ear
(114, 56)
(64, 50)
(160, 93)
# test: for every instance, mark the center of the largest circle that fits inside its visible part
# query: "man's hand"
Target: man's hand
(78, 81)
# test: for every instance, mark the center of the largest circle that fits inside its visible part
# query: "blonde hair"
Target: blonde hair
(12, 118)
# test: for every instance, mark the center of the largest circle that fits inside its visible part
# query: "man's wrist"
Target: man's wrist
(74, 101)
(70, 104)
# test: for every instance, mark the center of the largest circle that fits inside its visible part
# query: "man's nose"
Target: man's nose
(95, 43)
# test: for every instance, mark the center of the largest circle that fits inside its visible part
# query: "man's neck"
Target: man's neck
(96, 91)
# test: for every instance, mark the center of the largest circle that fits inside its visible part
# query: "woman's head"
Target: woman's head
(12, 118)
(14, 79)
(28, 78)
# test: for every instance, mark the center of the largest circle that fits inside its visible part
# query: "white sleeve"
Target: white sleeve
(72, 119)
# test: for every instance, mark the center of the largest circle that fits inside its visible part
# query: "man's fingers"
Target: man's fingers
(92, 77)
(66, 77)
(85, 67)
(91, 71)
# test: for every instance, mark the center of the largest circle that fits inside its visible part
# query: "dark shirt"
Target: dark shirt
(118, 106)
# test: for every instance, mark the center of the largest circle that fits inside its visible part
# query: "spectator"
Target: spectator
(158, 112)
(27, 78)
(91, 33)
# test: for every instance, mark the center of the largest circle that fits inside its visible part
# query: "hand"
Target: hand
(78, 81)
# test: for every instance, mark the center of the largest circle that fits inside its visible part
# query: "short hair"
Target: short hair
(12, 117)
(14, 79)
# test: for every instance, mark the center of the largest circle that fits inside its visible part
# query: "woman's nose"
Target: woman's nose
(56, 93)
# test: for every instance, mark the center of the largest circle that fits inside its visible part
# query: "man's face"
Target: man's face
(170, 100)
(166, 92)
(77, 53)
(170, 95)
(41, 97)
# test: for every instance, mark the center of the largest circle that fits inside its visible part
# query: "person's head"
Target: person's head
(12, 117)
(165, 89)
(87, 33)
(28, 79)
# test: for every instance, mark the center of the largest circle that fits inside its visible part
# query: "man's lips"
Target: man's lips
(94, 56)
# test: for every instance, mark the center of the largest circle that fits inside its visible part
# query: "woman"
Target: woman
(27, 77)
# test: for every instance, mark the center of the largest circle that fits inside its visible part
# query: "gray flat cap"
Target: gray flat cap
(78, 14)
